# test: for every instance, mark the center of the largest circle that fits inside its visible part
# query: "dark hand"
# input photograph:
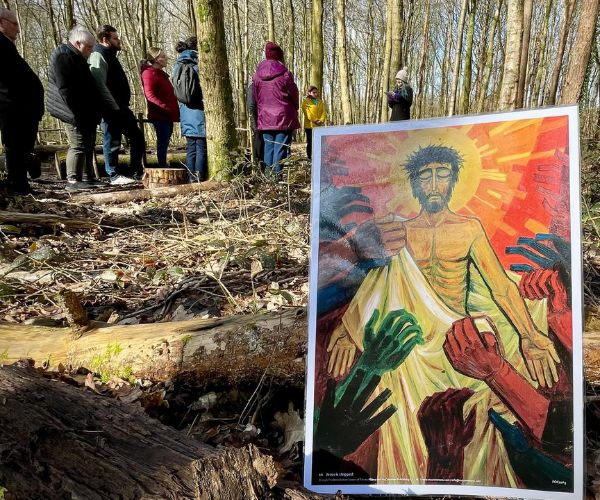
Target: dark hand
(342, 428)
(445, 432)
(541, 254)
(337, 203)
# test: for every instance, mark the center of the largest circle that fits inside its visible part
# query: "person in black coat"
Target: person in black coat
(21, 105)
(257, 140)
(401, 99)
(74, 99)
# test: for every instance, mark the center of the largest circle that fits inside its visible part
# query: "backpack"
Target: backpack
(186, 85)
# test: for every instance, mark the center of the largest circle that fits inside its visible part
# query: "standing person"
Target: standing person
(118, 119)
(315, 115)
(277, 98)
(400, 100)
(258, 144)
(162, 103)
(21, 105)
(74, 99)
(186, 84)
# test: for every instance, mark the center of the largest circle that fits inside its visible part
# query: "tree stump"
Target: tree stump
(164, 177)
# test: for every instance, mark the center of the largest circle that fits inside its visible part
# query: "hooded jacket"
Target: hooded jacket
(72, 94)
(162, 103)
(110, 78)
(192, 120)
(276, 96)
(21, 92)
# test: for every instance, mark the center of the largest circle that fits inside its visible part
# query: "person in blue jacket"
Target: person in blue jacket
(192, 116)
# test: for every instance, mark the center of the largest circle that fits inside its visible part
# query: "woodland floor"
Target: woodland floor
(242, 248)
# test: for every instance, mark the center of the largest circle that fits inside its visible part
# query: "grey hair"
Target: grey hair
(4, 11)
(80, 34)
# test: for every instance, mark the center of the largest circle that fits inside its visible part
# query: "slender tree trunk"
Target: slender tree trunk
(421, 90)
(457, 59)
(216, 87)
(562, 43)
(192, 14)
(446, 65)
(466, 89)
(342, 61)
(316, 46)
(69, 15)
(512, 59)
(580, 53)
(541, 65)
(489, 61)
(387, 51)
(290, 34)
(239, 69)
(270, 20)
(527, 12)
(396, 37)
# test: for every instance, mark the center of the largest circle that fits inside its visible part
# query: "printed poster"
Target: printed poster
(445, 330)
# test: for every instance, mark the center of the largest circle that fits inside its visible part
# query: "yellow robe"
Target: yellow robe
(402, 452)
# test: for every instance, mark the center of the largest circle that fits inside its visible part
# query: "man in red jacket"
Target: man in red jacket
(278, 99)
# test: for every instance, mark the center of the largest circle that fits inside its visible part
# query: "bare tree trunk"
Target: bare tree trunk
(512, 59)
(466, 88)
(239, 69)
(192, 14)
(290, 34)
(446, 65)
(396, 37)
(214, 78)
(270, 19)
(489, 61)
(342, 61)
(316, 45)
(580, 54)
(457, 59)
(527, 11)
(562, 43)
(387, 53)
(541, 65)
(420, 90)
(69, 15)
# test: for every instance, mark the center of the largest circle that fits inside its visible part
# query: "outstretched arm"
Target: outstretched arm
(537, 349)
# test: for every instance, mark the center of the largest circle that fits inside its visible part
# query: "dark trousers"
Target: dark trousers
(196, 158)
(18, 138)
(80, 154)
(164, 130)
(125, 125)
(308, 142)
(277, 148)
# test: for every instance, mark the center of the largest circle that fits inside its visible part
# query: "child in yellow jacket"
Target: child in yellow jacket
(315, 115)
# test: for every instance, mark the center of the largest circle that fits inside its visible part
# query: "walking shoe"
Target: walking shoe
(121, 180)
(94, 182)
(77, 186)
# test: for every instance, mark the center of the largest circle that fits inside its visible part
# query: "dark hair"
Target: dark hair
(432, 154)
(104, 31)
(190, 43)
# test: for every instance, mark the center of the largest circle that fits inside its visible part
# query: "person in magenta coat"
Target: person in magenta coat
(277, 99)
(163, 108)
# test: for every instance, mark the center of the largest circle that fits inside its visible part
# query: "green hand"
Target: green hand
(385, 347)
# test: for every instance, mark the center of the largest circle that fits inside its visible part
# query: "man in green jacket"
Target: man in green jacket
(117, 118)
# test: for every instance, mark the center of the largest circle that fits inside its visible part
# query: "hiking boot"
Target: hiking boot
(78, 186)
(121, 180)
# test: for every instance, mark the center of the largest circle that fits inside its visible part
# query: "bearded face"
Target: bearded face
(433, 186)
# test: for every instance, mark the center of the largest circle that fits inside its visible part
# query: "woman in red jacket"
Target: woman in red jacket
(163, 108)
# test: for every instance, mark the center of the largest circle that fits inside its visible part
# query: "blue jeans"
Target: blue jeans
(277, 148)
(196, 158)
(164, 130)
(126, 125)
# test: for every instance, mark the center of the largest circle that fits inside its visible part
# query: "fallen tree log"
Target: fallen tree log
(60, 441)
(144, 194)
(231, 349)
(41, 219)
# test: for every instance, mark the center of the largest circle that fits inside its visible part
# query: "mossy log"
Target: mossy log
(61, 441)
(231, 349)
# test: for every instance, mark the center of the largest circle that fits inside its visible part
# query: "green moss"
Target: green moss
(3, 358)
(106, 366)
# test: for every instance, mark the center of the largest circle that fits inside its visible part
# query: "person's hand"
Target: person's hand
(541, 358)
(337, 203)
(393, 233)
(342, 427)
(366, 243)
(472, 353)
(445, 432)
(341, 351)
(545, 284)
(548, 251)
(386, 348)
